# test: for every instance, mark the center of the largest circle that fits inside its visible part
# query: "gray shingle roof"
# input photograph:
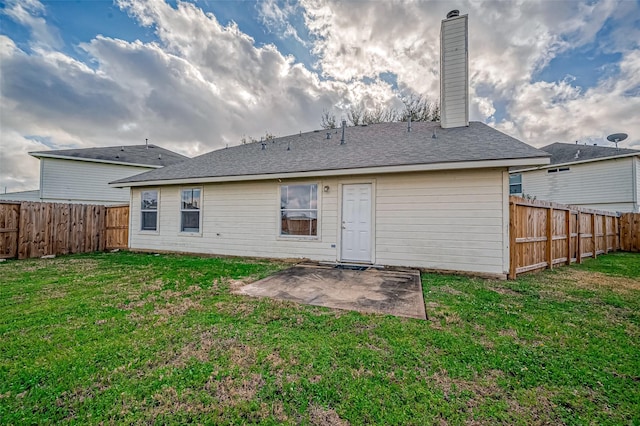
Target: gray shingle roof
(133, 154)
(377, 145)
(566, 152)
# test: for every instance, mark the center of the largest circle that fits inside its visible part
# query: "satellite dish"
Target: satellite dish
(617, 137)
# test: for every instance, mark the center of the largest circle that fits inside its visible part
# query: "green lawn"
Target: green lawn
(133, 338)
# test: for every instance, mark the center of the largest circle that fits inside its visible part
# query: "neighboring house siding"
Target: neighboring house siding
(83, 181)
(440, 220)
(606, 185)
(21, 196)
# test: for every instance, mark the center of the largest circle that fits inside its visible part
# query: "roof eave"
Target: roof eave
(92, 160)
(482, 164)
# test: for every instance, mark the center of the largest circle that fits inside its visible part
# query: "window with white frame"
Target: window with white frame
(190, 210)
(299, 210)
(515, 184)
(561, 169)
(149, 210)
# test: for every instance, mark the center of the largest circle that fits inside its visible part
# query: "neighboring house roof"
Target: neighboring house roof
(562, 153)
(569, 153)
(373, 146)
(134, 155)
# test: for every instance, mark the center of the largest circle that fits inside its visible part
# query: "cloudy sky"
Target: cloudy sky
(195, 76)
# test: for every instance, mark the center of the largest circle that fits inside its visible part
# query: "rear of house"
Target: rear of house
(430, 195)
(450, 220)
(385, 196)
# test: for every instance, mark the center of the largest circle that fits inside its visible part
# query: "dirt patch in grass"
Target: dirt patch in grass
(134, 304)
(504, 291)
(448, 290)
(230, 391)
(154, 286)
(509, 332)
(598, 281)
(320, 416)
(241, 309)
(534, 404)
(198, 349)
(442, 317)
(177, 309)
(168, 401)
(275, 359)
(53, 292)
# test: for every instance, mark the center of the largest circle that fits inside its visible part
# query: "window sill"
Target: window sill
(145, 232)
(297, 238)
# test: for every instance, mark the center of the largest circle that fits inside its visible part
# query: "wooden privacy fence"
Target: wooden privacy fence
(117, 227)
(630, 232)
(32, 229)
(545, 234)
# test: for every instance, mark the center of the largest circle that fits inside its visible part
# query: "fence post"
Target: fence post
(605, 221)
(513, 222)
(579, 238)
(593, 235)
(568, 225)
(618, 236)
(550, 238)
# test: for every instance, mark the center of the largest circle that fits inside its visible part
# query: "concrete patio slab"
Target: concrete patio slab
(391, 292)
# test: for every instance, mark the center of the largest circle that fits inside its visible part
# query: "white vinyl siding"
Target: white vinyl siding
(604, 185)
(83, 182)
(446, 220)
(239, 219)
(441, 220)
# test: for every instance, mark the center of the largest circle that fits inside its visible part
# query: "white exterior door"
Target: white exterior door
(356, 223)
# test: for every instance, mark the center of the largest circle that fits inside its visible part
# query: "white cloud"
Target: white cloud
(277, 18)
(509, 44)
(543, 113)
(31, 14)
(202, 86)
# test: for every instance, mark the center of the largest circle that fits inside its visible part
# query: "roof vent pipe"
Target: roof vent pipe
(264, 146)
(453, 14)
(344, 124)
(434, 136)
(122, 148)
(159, 156)
(328, 135)
(146, 142)
(409, 125)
